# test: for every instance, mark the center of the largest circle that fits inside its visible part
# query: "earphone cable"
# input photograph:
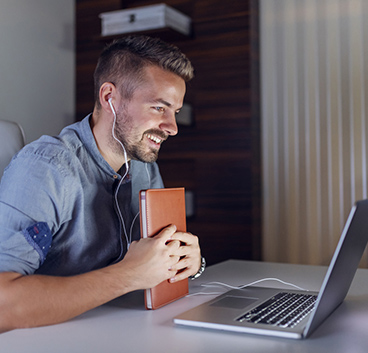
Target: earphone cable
(128, 239)
(123, 177)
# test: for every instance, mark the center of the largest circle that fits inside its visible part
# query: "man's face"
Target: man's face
(148, 119)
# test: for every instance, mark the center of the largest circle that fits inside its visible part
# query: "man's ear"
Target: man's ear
(107, 91)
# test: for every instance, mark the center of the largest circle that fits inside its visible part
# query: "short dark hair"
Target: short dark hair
(122, 63)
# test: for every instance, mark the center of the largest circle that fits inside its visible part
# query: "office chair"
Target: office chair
(11, 141)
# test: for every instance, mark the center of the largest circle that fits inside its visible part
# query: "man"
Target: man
(69, 235)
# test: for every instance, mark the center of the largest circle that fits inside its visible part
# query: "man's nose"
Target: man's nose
(169, 124)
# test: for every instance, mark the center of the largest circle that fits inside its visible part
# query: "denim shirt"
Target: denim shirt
(58, 214)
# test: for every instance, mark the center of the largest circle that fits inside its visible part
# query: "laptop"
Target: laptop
(288, 313)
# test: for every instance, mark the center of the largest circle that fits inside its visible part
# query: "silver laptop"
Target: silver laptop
(288, 313)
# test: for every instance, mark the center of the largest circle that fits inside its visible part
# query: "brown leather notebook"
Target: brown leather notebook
(158, 209)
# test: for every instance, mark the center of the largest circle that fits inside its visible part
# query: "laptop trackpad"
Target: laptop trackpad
(234, 302)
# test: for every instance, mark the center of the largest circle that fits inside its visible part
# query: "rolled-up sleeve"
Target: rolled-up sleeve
(17, 255)
(31, 196)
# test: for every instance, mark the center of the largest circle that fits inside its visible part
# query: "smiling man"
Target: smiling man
(143, 121)
(69, 225)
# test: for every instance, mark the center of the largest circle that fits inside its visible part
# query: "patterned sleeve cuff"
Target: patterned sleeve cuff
(39, 236)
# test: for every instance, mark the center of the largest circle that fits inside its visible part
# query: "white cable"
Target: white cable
(134, 219)
(129, 240)
(217, 284)
(251, 284)
(123, 177)
(203, 293)
(131, 227)
(116, 139)
(148, 174)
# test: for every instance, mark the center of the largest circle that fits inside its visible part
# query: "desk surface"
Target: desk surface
(123, 325)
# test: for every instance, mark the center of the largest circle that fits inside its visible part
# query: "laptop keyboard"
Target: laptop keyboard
(283, 310)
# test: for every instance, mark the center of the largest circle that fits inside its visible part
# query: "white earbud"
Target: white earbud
(112, 107)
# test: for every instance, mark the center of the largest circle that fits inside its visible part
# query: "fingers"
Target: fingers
(189, 244)
(180, 252)
(186, 238)
(178, 276)
(166, 234)
(188, 255)
(169, 233)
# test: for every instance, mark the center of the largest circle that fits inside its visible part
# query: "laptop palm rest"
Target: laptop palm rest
(234, 302)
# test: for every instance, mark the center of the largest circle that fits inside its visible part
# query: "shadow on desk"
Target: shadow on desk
(133, 300)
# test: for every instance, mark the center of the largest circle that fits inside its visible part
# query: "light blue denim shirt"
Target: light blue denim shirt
(57, 206)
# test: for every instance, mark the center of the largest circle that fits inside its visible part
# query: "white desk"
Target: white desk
(125, 326)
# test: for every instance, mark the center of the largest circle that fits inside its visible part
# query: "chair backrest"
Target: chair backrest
(11, 141)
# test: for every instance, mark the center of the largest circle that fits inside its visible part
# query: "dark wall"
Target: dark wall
(217, 157)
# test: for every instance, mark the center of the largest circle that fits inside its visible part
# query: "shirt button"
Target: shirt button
(115, 176)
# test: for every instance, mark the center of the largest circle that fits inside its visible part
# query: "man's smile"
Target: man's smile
(154, 138)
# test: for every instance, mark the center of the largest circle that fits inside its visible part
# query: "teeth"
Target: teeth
(154, 138)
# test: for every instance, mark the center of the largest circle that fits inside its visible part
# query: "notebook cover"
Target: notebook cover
(158, 209)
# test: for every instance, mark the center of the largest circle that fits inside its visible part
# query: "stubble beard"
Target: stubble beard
(133, 150)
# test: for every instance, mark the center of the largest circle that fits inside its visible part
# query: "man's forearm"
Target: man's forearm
(37, 300)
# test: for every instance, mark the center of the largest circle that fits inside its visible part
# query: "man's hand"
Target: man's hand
(189, 256)
(168, 255)
(151, 260)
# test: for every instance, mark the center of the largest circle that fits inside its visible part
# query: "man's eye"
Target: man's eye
(159, 109)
